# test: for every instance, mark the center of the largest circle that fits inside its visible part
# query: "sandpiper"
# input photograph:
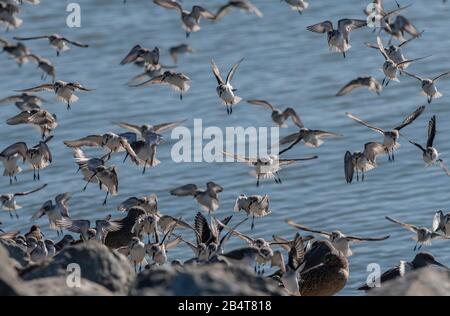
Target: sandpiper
(64, 90)
(224, 89)
(208, 199)
(45, 65)
(9, 160)
(180, 49)
(253, 205)
(429, 88)
(311, 137)
(338, 39)
(79, 226)
(190, 20)
(399, 26)
(136, 251)
(42, 119)
(9, 203)
(111, 141)
(176, 80)
(243, 5)
(39, 156)
(290, 273)
(149, 57)
(390, 68)
(430, 155)
(87, 166)
(8, 15)
(24, 101)
(103, 227)
(339, 240)
(421, 260)
(424, 235)
(108, 180)
(66, 241)
(18, 51)
(58, 42)
(55, 212)
(158, 250)
(368, 82)
(267, 167)
(148, 203)
(441, 222)
(278, 116)
(394, 52)
(361, 162)
(297, 5)
(391, 136)
(40, 252)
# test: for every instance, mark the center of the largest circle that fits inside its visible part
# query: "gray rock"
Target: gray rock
(97, 263)
(422, 282)
(10, 284)
(213, 279)
(56, 286)
(16, 252)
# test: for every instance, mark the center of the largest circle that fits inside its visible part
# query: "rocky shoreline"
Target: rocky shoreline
(104, 272)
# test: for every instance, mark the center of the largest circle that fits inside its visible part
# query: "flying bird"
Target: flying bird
(58, 42)
(278, 116)
(361, 82)
(224, 89)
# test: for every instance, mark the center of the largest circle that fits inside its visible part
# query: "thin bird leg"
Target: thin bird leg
(253, 222)
(257, 181)
(17, 215)
(10, 180)
(145, 166)
(38, 172)
(84, 189)
(106, 197)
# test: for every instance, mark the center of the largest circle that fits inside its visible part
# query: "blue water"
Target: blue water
(284, 64)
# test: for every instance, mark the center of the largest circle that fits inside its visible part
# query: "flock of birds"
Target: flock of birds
(314, 266)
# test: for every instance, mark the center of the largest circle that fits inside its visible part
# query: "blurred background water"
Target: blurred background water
(284, 64)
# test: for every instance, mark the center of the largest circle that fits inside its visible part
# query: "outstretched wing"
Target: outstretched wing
(166, 126)
(216, 73)
(358, 120)
(410, 227)
(30, 192)
(75, 43)
(431, 131)
(322, 27)
(304, 228)
(42, 87)
(263, 103)
(89, 141)
(185, 190)
(411, 118)
(356, 238)
(233, 71)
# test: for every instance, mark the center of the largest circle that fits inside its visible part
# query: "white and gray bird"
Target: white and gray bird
(111, 141)
(253, 205)
(18, 51)
(108, 180)
(362, 162)
(149, 203)
(39, 118)
(190, 20)
(361, 82)
(297, 5)
(391, 136)
(338, 39)
(147, 56)
(339, 240)
(423, 236)
(58, 42)
(64, 91)
(45, 65)
(242, 5)
(208, 199)
(429, 88)
(441, 223)
(430, 154)
(176, 80)
(55, 212)
(278, 116)
(9, 203)
(24, 101)
(267, 167)
(224, 89)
